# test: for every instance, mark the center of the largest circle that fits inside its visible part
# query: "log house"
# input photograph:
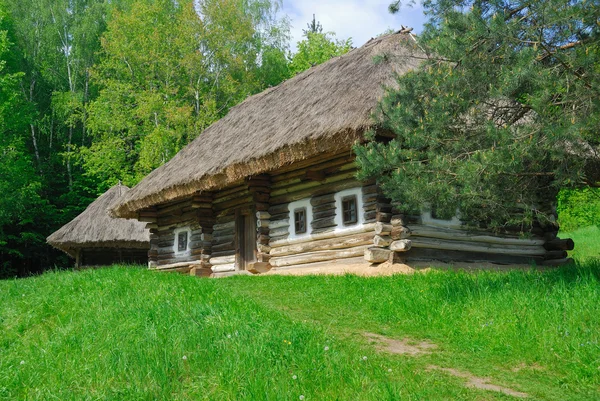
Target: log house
(95, 238)
(273, 184)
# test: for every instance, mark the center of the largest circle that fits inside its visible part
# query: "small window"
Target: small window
(300, 220)
(349, 212)
(182, 241)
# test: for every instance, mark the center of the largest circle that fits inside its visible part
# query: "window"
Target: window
(182, 241)
(300, 220)
(349, 210)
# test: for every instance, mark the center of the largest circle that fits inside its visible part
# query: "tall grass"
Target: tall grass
(130, 334)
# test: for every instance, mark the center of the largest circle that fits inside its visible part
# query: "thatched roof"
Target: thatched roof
(95, 227)
(324, 109)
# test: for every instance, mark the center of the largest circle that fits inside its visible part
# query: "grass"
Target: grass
(126, 333)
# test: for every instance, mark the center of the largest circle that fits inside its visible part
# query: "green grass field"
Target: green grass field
(126, 333)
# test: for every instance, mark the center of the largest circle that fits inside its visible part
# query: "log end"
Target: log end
(377, 255)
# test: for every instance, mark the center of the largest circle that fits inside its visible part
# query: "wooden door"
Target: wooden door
(245, 227)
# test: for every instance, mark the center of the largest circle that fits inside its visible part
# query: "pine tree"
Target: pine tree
(502, 114)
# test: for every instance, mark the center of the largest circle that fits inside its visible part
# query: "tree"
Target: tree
(501, 115)
(170, 69)
(317, 47)
(22, 210)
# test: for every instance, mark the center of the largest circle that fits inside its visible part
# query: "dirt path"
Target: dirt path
(408, 346)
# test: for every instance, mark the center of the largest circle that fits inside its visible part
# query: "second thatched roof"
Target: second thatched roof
(324, 109)
(95, 227)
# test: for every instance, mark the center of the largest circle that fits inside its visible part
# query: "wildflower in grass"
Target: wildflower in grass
(301, 397)
(364, 358)
(22, 362)
(184, 358)
(228, 335)
(326, 348)
(390, 370)
(294, 377)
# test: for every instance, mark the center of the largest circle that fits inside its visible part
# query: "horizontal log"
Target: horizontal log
(501, 249)
(451, 256)
(402, 245)
(316, 191)
(558, 262)
(223, 260)
(560, 245)
(202, 205)
(400, 232)
(174, 266)
(169, 209)
(262, 230)
(223, 268)
(263, 215)
(319, 256)
(262, 223)
(234, 203)
(383, 217)
(322, 199)
(451, 234)
(258, 267)
(224, 232)
(220, 254)
(200, 244)
(376, 254)
(322, 161)
(278, 209)
(225, 239)
(383, 228)
(323, 207)
(273, 224)
(263, 248)
(382, 241)
(370, 216)
(370, 207)
(278, 242)
(166, 244)
(222, 247)
(144, 219)
(555, 255)
(370, 189)
(331, 213)
(347, 241)
(324, 222)
(277, 232)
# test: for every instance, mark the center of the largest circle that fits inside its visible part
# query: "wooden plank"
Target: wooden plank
(340, 242)
(318, 256)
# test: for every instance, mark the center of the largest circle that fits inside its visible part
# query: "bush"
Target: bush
(578, 208)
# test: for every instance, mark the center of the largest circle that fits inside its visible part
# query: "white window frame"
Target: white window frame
(177, 231)
(300, 204)
(360, 212)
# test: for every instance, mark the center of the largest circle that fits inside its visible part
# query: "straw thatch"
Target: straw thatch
(96, 228)
(322, 110)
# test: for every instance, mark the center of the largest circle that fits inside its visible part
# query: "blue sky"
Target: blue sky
(360, 20)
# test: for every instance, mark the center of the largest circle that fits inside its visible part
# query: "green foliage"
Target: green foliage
(316, 48)
(22, 210)
(578, 208)
(502, 114)
(167, 71)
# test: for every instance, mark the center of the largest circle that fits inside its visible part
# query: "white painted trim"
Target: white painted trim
(340, 227)
(299, 204)
(176, 241)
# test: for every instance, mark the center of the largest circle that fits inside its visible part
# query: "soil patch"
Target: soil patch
(482, 383)
(406, 346)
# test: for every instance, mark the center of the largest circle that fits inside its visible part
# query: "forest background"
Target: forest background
(93, 92)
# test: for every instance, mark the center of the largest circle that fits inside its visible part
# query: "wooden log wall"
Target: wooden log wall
(318, 182)
(194, 214)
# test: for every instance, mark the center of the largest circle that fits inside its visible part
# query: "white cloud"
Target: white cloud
(360, 20)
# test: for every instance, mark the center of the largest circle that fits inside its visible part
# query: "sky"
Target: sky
(359, 19)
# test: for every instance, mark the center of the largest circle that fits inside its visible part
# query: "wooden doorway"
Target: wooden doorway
(245, 239)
